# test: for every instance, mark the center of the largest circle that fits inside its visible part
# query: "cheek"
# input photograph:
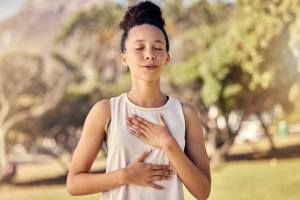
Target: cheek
(162, 57)
(134, 55)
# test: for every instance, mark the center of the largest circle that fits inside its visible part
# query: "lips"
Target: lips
(150, 66)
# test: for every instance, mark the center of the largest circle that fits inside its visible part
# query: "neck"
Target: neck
(147, 94)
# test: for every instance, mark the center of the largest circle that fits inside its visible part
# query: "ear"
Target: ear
(123, 58)
(168, 58)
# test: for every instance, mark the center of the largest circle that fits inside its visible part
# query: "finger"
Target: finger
(155, 186)
(137, 128)
(135, 133)
(139, 135)
(144, 155)
(143, 120)
(163, 173)
(159, 167)
(161, 120)
(135, 121)
(156, 178)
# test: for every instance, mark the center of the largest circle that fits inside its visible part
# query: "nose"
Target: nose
(149, 56)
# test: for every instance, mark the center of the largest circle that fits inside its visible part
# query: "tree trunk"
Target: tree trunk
(219, 153)
(216, 156)
(273, 149)
(3, 158)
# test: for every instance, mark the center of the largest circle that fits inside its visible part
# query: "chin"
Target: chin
(150, 78)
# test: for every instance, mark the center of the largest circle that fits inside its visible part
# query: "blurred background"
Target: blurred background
(237, 61)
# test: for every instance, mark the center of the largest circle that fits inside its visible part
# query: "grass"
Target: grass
(57, 192)
(239, 180)
(264, 145)
(263, 180)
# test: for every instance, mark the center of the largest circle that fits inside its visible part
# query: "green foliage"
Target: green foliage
(232, 54)
(123, 83)
(96, 19)
(237, 66)
(188, 68)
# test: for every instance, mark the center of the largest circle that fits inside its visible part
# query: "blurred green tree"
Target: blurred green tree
(240, 57)
(27, 89)
(243, 63)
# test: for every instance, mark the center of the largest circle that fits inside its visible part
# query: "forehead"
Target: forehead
(145, 32)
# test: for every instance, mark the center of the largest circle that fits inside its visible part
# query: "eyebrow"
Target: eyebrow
(157, 41)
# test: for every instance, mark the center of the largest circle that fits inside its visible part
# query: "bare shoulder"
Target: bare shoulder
(101, 112)
(96, 120)
(101, 106)
(193, 122)
(189, 108)
(190, 111)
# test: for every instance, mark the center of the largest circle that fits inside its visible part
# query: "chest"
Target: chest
(121, 139)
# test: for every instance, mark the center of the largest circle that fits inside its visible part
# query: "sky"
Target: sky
(9, 8)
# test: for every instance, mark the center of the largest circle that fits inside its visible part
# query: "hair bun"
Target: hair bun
(144, 12)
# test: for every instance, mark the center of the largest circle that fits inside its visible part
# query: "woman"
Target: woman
(154, 141)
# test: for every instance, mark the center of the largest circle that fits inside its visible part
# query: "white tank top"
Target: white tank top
(123, 148)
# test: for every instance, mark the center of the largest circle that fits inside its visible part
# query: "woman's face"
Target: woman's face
(145, 52)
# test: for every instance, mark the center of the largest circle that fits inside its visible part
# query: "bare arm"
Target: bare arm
(79, 180)
(192, 167)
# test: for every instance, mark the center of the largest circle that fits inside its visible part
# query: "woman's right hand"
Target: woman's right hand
(142, 174)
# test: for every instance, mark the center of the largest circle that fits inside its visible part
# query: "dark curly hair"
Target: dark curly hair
(143, 13)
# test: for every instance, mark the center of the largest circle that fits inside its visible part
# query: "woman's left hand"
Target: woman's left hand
(157, 135)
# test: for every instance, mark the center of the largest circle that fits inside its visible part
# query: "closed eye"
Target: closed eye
(159, 49)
